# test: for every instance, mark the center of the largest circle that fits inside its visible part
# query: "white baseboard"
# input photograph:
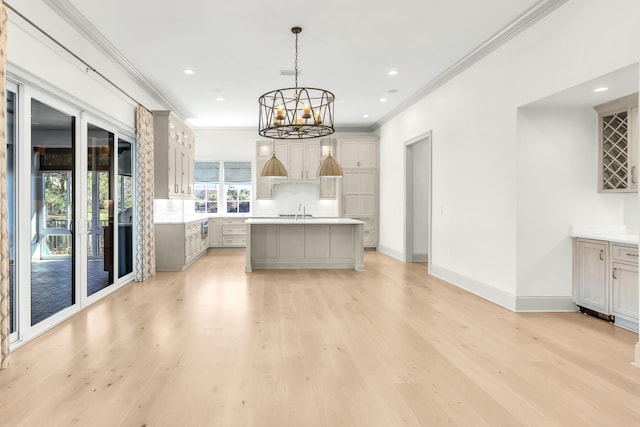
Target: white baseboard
(545, 304)
(391, 252)
(420, 257)
(497, 296)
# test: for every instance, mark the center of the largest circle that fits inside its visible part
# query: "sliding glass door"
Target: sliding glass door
(52, 218)
(125, 207)
(11, 128)
(100, 198)
(71, 209)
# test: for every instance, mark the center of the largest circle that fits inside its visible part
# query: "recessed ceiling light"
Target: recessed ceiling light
(601, 89)
(392, 91)
(365, 116)
(189, 71)
(383, 99)
(219, 98)
(393, 72)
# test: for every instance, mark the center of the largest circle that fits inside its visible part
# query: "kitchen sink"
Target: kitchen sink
(294, 216)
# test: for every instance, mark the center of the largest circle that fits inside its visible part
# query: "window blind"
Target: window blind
(207, 172)
(237, 173)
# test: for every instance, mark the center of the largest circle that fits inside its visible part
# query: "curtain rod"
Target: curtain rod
(70, 52)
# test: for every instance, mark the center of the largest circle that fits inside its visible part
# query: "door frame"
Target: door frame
(408, 196)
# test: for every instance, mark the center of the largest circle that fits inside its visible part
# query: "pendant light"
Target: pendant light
(330, 168)
(274, 167)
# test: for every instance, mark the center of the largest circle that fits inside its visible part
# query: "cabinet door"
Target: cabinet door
(311, 159)
(359, 193)
(368, 190)
(188, 250)
(591, 287)
(359, 154)
(190, 171)
(282, 153)
(295, 168)
(174, 170)
(264, 185)
(351, 194)
(214, 233)
(349, 154)
(327, 188)
(633, 149)
(184, 170)
(367, 154)
(624, 292)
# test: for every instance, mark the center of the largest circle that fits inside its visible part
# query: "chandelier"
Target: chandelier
(296, 112)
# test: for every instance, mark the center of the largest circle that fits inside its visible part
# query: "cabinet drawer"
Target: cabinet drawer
(233, 221)
(234, 229)
(234, 241)
(624, 253)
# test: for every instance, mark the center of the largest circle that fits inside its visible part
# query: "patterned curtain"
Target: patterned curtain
(5, 315)
(146, 245)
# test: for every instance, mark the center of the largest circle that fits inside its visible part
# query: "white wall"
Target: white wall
(34, 59)
(557, 188)
(230, 144)
(474, 123)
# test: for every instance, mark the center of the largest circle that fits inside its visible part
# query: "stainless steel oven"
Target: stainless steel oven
(204, 229)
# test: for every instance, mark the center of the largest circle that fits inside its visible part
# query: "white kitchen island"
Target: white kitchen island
(304, 243)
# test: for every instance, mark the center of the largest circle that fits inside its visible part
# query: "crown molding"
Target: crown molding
(84, 27)
(534, 14)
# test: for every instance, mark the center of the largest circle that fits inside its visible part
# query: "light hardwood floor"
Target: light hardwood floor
(214, 346)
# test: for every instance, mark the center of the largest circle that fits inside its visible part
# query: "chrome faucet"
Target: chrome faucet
(304, 210)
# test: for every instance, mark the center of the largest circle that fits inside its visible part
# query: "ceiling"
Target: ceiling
(238, 49)
(607, 87)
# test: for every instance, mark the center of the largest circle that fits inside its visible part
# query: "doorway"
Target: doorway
(418, 199)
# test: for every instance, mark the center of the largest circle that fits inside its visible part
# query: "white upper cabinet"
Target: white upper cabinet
(358, 153)
(618, 142)
(174, 147)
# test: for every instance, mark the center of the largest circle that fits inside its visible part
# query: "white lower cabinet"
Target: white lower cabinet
(369, 231)
(624, 286)
(606, 280)
(591, 289)
(214, 232)
(227, 232)
(179, 245)
(234, 232)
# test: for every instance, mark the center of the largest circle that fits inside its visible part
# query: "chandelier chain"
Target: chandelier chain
(296, 72)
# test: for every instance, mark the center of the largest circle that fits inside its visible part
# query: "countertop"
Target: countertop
(627, 239)
(306, 221)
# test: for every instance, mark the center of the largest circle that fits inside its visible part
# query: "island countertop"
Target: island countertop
(305, 221)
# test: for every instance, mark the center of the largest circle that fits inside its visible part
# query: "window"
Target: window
(206, 185)
(222, 187)
(237, 178)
